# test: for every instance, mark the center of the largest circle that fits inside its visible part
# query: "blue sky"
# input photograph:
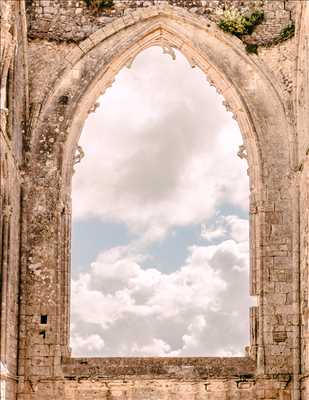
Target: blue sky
(160, 219)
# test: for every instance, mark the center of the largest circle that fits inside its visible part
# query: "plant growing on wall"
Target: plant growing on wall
(288, 31)
(240, 25)
(99, 4)
(237, 24)
(252, 48)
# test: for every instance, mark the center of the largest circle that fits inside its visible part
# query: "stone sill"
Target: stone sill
(160, 367)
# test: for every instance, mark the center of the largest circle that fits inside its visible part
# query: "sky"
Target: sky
(160, 251)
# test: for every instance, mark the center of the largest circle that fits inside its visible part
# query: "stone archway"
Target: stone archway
(257, 104)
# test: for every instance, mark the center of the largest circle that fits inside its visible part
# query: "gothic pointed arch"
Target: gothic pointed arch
(258, 103)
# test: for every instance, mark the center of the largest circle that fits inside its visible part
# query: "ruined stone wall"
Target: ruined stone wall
(13, 106)
(177, 389)
(73, 20)
(65, 23)
(163, 379)
(74, 54)
(304, 262)
(302, 119)
(64, 93)
(9, 255)
(55, 28)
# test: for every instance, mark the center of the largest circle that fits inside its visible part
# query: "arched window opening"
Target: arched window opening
(160, 253)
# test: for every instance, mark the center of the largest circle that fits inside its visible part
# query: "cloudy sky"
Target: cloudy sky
(160, 219)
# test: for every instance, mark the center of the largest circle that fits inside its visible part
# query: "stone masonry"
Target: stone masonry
(56, 58)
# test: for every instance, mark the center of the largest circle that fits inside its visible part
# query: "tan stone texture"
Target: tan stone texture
(57, 57)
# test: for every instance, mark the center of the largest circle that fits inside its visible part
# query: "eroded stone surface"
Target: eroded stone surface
(56, 60)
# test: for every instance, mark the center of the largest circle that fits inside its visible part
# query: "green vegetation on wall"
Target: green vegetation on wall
(251, 48)
(287, 32)
(240, 25)
(237, 24)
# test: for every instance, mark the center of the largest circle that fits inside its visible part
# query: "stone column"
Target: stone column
(6, 53)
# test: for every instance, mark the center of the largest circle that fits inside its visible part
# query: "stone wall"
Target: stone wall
(74, 54)
(74, 21)
(13, 110)
(304, 262)
(302, 103)
(163, 389)
(163, 379)
(81, 72)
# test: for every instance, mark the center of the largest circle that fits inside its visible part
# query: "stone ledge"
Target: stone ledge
(160, 367)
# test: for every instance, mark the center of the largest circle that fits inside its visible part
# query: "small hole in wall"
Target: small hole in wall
(44, 319)
(43, 334)
(63, 100)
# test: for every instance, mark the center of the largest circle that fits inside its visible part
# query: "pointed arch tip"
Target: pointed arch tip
(160, 12)
(239, 79)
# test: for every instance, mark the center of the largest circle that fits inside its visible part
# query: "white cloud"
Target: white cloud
(160, 151)
(195, 329)
(141, 311)
(231, 225)
(93, 343)
(156, 346)
(213, 233)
